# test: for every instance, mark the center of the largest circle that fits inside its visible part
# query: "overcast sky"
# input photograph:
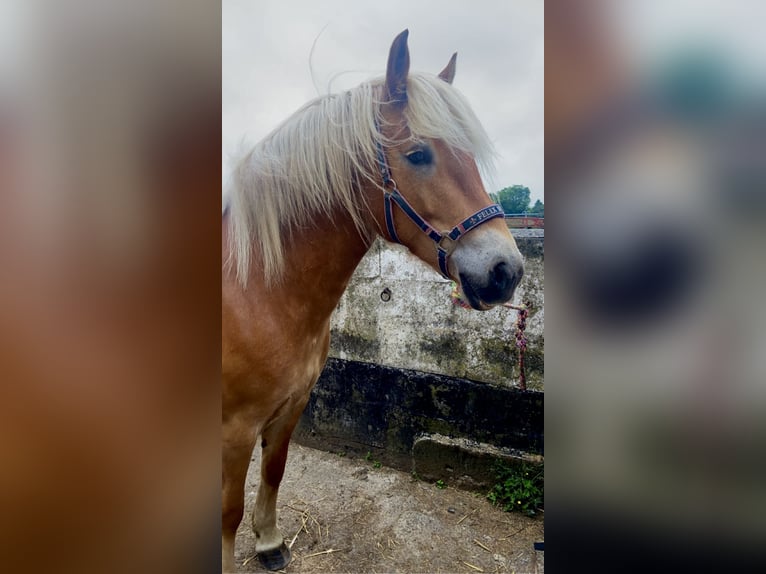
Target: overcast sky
(266, 73)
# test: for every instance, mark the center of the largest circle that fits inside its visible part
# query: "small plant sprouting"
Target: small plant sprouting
(369, 458)
(440, 484)
(519, 487)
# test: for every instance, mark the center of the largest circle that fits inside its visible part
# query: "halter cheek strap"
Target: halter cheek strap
(445, 241)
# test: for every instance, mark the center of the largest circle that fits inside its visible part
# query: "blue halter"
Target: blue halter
(445, 241)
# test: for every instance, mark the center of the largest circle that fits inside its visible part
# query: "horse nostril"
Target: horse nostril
(500, 276)
(501, 282)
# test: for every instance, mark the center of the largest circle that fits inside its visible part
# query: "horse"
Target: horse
(396, 157)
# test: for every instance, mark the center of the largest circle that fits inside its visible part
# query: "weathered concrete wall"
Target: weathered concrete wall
(440, 427)
(419, 328)
(406, 381)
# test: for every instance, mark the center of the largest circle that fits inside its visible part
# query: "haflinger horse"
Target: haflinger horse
(395, 157)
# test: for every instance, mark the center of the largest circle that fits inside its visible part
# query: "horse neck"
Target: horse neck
(321, 259)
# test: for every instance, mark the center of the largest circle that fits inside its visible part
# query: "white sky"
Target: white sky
(266, 73)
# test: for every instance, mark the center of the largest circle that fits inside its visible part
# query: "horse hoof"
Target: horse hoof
(275, 559)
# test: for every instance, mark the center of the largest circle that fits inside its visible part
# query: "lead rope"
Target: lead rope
(521, 343)
(520, 336)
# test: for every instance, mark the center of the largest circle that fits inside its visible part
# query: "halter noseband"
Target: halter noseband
(446, 240)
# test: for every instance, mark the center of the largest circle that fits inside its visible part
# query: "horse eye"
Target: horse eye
(419, 157)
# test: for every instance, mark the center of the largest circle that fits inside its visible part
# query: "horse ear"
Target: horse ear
(448, 73)
(397, 69)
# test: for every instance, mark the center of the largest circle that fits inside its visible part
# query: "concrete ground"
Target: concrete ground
(345, 515)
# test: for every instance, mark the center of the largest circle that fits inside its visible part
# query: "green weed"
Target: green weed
(369, 458)
(519, 487)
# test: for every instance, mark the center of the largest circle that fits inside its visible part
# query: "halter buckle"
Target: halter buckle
(446, 243)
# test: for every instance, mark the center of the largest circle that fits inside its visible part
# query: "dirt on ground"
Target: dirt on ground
(349, 515)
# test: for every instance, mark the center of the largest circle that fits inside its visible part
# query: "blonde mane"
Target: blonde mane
(312, 164)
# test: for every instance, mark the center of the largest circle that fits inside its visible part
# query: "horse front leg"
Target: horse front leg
(269, 543)
(238, 440)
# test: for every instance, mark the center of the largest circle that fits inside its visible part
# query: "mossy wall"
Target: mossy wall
(359, 407)
(419, 327)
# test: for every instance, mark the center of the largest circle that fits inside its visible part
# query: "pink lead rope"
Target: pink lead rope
(521, 325)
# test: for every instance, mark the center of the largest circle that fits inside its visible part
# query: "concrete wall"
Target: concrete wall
(407, 379)
(420, 329)
(442, 428)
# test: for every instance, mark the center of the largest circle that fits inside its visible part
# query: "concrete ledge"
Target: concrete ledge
(462, 462)
(465, 425)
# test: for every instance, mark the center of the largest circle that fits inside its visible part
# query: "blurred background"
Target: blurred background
(109, 289)
(656, 328)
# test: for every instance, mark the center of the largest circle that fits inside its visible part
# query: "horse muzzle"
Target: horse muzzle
(486, 286)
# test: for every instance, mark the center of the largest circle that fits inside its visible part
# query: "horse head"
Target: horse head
(434, 199)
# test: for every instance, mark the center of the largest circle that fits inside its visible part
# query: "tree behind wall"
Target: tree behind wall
(514, 199)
